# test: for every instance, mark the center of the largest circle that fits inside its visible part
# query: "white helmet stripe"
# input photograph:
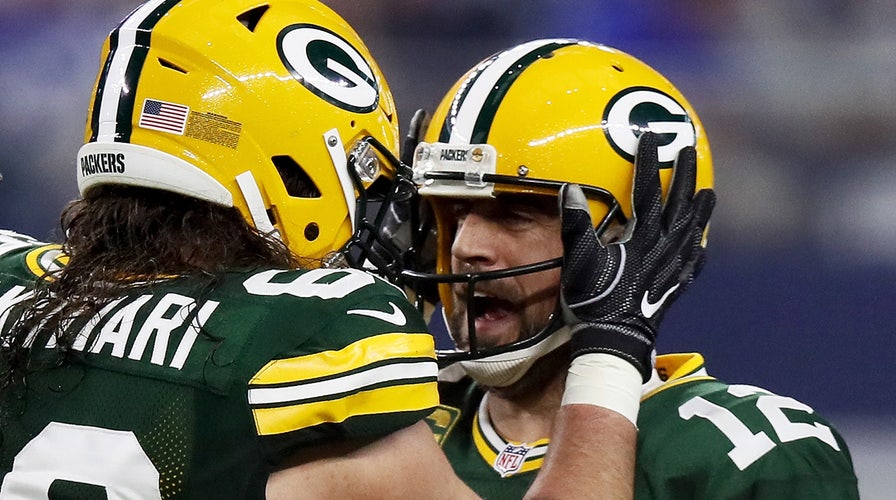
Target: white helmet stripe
(482, 84)
(118, 78)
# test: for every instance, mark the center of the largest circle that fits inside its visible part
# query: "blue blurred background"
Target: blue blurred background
(798, 99)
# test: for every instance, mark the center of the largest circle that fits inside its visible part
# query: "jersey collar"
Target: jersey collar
(507, 458)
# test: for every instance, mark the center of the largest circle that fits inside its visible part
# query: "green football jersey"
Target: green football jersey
(698, 438)
(187, 389)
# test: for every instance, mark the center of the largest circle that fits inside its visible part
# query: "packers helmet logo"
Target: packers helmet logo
(641, 109)
(329, 66)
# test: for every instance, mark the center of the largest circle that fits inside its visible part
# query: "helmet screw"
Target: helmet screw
(331, 141)
(522, 171)
(476, 154)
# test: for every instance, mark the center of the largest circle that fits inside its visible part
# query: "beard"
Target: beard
(496, 295)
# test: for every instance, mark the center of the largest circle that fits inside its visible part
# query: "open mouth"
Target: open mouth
(488, 308)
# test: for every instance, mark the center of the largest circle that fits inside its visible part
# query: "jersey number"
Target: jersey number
(111, 459)
(749, 447)
(323, 283)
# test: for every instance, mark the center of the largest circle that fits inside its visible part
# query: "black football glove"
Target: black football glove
(416, 129)
(615, 295)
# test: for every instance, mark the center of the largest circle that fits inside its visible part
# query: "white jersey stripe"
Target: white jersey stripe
(396, 373)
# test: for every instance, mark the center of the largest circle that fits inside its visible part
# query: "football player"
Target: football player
(570, 188)
(198, 334)
(171, 346)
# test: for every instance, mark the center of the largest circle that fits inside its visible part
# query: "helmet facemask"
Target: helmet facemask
(440, 182)
(385, 211)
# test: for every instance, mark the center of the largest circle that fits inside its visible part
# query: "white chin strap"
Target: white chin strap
(336, 148)
(252, 196)
(503, 369)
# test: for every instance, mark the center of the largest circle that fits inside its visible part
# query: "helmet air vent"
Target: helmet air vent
(170, 65)
(296, 180)
(250, 18)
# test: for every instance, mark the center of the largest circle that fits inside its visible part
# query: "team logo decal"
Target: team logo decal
(442, 421)
(639, 109)
(329, 66)
(511, 459)
(46, 259)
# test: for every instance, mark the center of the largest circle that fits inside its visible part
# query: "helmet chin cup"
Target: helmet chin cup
(503, 369)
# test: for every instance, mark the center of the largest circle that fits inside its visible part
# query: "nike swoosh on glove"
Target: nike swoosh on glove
(614, 295)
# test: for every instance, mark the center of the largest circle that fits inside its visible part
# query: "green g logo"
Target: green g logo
(640, 109)
(329, 66)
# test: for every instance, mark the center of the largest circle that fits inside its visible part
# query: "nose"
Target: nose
(475, 242)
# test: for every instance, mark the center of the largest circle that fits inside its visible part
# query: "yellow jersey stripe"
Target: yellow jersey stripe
(388, 374)
(352, 357)
(683, 368)
(391, 399)
(681, 364)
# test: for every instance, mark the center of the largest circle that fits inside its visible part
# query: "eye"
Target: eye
(518, 217)
(459, 210)
(523, 213)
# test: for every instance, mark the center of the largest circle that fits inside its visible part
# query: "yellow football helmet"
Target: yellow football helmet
(275, 107)
(541, 114)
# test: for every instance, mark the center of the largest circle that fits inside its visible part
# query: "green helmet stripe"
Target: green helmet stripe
(128, 47)
(474, 107)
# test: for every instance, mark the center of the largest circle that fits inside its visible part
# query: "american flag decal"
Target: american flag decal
(164, 116)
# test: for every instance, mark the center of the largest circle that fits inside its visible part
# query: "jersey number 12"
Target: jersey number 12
(749, 446)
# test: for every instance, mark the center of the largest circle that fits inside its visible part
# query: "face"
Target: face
(500, 233)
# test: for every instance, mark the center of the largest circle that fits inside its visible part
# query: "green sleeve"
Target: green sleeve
(708, 440)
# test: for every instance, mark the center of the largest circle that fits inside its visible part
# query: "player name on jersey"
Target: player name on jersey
(136, 327)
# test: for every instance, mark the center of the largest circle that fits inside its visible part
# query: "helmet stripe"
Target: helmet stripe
(114, 101)
(475, 104)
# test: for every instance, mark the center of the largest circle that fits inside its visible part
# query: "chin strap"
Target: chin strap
(257, 210)
(340, 162)
(501, 370)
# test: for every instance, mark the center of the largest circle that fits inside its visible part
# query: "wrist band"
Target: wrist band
(604, 380)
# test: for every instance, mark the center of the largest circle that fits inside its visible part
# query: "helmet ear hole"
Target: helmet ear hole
(296, 180)
(312, 231)
(250, 18)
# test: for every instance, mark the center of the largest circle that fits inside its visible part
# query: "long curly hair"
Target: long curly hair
(121, 237)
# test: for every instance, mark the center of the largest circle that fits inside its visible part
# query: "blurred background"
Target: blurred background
(798, 99)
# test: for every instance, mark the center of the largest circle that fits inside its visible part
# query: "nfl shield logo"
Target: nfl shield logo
(511, 459)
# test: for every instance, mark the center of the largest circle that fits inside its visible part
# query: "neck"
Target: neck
(525, 410)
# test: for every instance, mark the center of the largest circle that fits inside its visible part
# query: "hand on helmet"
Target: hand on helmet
(614, 295)
(416, 129)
